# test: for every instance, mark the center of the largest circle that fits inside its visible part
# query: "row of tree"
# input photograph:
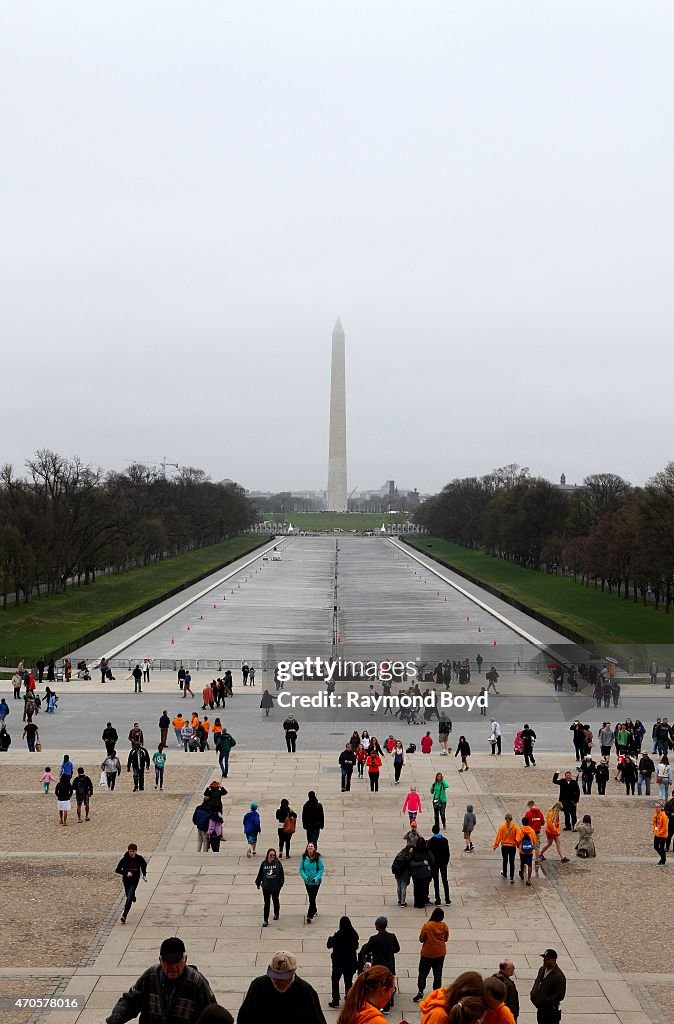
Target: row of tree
(605, 531)
(65, 521)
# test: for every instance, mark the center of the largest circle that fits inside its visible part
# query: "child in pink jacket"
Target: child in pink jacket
(412, 804)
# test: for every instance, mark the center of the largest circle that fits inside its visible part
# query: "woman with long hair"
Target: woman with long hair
(553, 832)
(287, 819)
(465, 993)
(344, 946)
(369, 993)
(398, 760)
(311, 873)
(373, 764)
(270, 879)
(421, 870)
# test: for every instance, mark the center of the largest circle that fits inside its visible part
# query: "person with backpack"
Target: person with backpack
(344, 956)
(469, 823)
(438, 791)
(526, 845)
(159, 762)
(400, 869)
(287, 819)
(224, 743)
(313, 819)
(311, 872)
(463, 749)
(271, 879)
(380, 952)
(252, 829)
(506, 838)
(83, 790)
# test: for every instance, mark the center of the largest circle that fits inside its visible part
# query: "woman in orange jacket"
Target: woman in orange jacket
(433, 938)
(370, 991)
(506, 838)
(660, 830)
(552, 833)
(442, 1005)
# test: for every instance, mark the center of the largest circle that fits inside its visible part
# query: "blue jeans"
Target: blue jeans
(224, 762)
(664, 790)
(644, 779)
(130, 886)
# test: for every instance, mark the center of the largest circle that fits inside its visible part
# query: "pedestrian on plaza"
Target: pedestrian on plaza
(660, 828)
(526, 845)
(369, 998)
(426, 743)
(164, 725)
(361, 758)
(251, 675)
(313, 819)
(112, 768)
(4, 711)
(373, 764)
(137, 679)
(203, 732)
(344, 945)
(400, 869)
(187, 737)
(399, 760)
(279, 996)
(668, 808)
(528, 737)
(159, 762)
(31, 734)
(287, 819)
(224, 743)
(588, 770)
(506, 970)
(311, 872)
(187, 685)
(347, 760)
(291, 727)
(601, 775)
(463, 1002)
(492, 679)
(569, 795)
(379, 951)
(479, 660)
(463, 748)
(444, 729)
(147, 665)
(629, 774)
(433, 938)
(83, 790)
(497, 1010)
(421, 871)
(136, 738)
(5, 740)
(495, 738)
(413, 834)
(548, 990)
(66, 767)
(181, 677)
(270, 878)
(178, 723)
(663, 775)
(553, 832)
(439, 848)
(506, 838)
(267, 703)
(606, 737)
(207, 694)
(171, 980)
(29, 706)
(16, 685)
(536, 819)
(252, 829)
(438, 791)
(469, 823)
(139, 761)
(578, 731)
(63, 793)
(47, 779)
(412, 804)
(245, 671)
(201, 819)
(228, 683)
(585, 846)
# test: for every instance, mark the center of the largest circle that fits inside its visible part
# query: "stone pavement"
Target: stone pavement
(211, 901)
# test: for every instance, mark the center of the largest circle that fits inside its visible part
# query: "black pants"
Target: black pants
(346, 782)
(397, 768)
(587, 786)
(337, 974)
(421, 887)
(528, 756)
(312, 893)
(136, 684)
(130, 885)
(670, 833)
(601, 787)
(508, 855)
(439, 812)
(374, 782)
(440, 872)
(284, 840)
(548, 1015)
(629, 787)
(271, 897)
(570, 817)
(660, 846)
(111, 779)
(312, 835)
(138, 779)
(291, 740)
(426, 965)
(580, 749)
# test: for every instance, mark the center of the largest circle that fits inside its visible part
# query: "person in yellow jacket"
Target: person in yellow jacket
(433, 938)
(370, 991)
(178, 723)
(506, 838)
(526, 844)
(195, 722)
(660, 829)
(552, 832)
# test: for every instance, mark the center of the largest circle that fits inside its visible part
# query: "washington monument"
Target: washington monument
(337, 453)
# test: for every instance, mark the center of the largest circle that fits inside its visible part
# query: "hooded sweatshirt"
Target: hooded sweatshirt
(369, 1015)
(433, 936)
(433, 1007)
(469, 819)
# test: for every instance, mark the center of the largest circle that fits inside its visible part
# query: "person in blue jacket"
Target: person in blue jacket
(251, 829)
(202, 819)
(311, 872)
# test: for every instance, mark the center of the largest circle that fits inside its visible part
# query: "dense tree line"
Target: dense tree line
(604, 532)
(65, 521)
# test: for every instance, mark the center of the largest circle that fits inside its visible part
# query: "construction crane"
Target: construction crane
(151, 461)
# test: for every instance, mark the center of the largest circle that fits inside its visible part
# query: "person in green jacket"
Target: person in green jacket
(311, 872)
(439, 795)
(224, 742)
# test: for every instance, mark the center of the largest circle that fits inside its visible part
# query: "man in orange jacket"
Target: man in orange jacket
(660, 829)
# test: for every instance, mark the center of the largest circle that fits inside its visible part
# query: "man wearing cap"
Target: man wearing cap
(412, 837)
(168, 993)
(279, 995)
(548, 989)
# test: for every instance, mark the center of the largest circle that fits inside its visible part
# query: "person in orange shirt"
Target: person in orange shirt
(433, 939)
(373, 764)
(506, 838)
(497, 1011)
(660, 829)
(552, 833)
(178, 723)
(526, 844)
(217, 728)
(207, 694)
(369, 993)
(195, 723)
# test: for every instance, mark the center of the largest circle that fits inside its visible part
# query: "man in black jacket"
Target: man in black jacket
(110, 738)
(569, 795)
(131, 867)
(83, 790)
(548, 990)
(439, 847)
(139, 760)
(347, 761)
(279, 995)
(380, 951)
(506, 970)
(313, 819)
(528, 737)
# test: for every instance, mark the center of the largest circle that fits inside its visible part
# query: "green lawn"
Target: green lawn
(336, 520)
(600, 618)
(45, 625)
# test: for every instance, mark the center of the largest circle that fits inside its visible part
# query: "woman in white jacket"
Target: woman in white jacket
(663, 775)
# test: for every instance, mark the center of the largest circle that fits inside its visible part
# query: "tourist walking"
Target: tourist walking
(201, 819)
(270, 878)
(399, 760)
(528, 738)
(137, 679)
(506, 838)
(178, 723)
(291, 727)
(663, 776)
(224, 742)
(439, 848)
(412, 804)
(601, 775)
(527, 841)
(373, 764)
(347, 760)
(433, 938)
(439, 788)
(112, 768)
(279, 995)
(187, 684)
(536, 819)
(548, 990)
(421, 871)
(31, 734)
(251, 829)
(553, 832)
(159, 762)
(131, 867)
(469, 823)
(495, 738)
(313, 819)
(187, 736)
(344, 956)
(245, 669)
(463, 749)
(185, 987)
(569, 795)
(287, 819)
(379, 951)
(660, 828)
(164, 725)
(138, 761)
(83, 790)
(46, 780)
(588, 770)
(646, 771)
(311, 872)
(444, 729)
(267, 703)
(63, 792)
(400, 868)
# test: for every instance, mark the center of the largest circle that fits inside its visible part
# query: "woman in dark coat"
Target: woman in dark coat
(270, 878)
(421, 870)
(267, 703)
(285, 816)
(344, 946)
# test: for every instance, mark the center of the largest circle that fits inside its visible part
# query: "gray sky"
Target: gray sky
(190, 195)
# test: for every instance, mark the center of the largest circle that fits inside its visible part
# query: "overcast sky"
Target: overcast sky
(482, 191)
